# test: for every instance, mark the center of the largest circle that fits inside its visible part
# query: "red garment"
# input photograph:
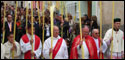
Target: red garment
(18, 24)
(57, 47)
(102, 57)
(90, 45)
(25, 39)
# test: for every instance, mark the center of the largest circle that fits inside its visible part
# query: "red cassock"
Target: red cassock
(90, 45)
(25, 39)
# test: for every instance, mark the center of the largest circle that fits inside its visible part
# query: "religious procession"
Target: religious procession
(62, 29)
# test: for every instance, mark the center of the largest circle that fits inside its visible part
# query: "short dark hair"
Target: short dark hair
(8, 34)
(8, 15)
(36, 17)
(29, 25)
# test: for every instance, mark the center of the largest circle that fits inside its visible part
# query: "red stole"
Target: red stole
(99, 52)
(57, 47)
(25, 39)
(90, 45)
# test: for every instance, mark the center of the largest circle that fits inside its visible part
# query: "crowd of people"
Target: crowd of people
(66, 42)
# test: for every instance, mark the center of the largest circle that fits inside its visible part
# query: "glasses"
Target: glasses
(86, 32)
(96, 33)
(56, 31)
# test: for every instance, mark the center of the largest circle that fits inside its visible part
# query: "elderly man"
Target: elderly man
(59, 49)
(117, 39)
(100, 49)
(90, 50)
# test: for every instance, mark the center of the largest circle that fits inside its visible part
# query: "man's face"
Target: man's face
(95, 34)
(9, 18)
(117, 25)
(29, 10)
(55, 32)
(30, 31)
(22, 12)
(10, 38)
(12, 8)
(85, 32)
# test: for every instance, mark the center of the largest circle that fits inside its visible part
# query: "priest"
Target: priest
(59, 47)
(101, 49)
(117, 39)
(89, 46)
(26, 45)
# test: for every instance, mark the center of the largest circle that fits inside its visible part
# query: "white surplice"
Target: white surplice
(104, 46)
(86, 52)
(25, 47)
(61, 54)
(118, 41)
(47, 29)
(2, 51)
(8, 53)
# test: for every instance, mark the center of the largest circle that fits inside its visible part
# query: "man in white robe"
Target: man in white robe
(11, 45)
(26, 45)
(2, 51)
(61, 52)
(98, 41)
(118, 41)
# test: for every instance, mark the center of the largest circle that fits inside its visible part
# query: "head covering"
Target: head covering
(117, 20)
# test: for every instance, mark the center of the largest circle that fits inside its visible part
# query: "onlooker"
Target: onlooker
(87, 20)
(94, 22)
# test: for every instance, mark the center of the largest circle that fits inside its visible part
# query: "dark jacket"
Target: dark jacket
(7, 30)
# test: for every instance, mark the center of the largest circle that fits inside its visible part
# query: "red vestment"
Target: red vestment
(90, 45)
(57, 47)
(102, 57)
(25, 39)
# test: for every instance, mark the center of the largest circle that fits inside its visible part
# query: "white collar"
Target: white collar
(9, 22)
(54, 38)
(9, 43)
(29, 35)
(95, 38)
